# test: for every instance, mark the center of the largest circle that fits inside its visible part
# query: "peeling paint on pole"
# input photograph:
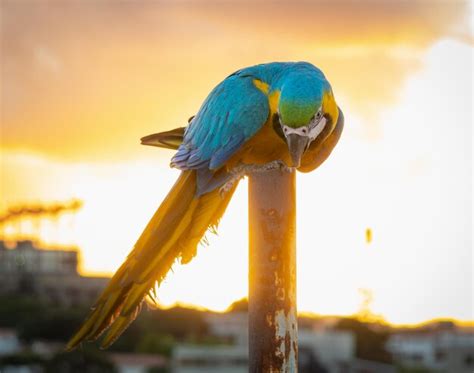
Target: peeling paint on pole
(273, 345)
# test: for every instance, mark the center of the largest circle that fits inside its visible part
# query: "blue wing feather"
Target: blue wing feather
(221, 155)
(232, 113)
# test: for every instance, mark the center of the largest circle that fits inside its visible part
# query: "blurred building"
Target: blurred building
(232, 326)
(329, 348)
(438, 351)
(9, 342)
(367, 366)
(320, 350)
(48, 274)
(189, 358)
(137, 363)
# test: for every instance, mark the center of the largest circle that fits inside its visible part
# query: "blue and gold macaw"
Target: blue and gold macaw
(276, 113)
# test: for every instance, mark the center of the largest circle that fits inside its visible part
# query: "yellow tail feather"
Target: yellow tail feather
(173, 233)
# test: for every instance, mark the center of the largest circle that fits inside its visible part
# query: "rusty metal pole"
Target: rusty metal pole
(273, 344)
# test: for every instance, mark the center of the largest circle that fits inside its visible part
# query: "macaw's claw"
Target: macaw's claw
(247, 169)
(229, 185)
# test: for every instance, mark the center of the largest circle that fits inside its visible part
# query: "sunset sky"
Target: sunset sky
(81, 82)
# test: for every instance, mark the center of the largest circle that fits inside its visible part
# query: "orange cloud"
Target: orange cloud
(87, 80)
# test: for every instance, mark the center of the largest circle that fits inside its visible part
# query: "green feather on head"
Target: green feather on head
(301, 97)
(297, 114)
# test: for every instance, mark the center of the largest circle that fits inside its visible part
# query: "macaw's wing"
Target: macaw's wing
(232, 113)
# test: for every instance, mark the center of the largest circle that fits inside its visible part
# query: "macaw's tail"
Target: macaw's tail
(173, 233)
(168, 140)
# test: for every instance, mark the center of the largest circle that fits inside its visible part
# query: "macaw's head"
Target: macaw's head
(306, 111)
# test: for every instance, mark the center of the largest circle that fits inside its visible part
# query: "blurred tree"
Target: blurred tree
(179, 322)
(50, 324)
(370, 344)
(241, 305)
(401, 369)
(158, 370)
(16, 309)
(174, 324)
(151, 343)
(85, 361)
(23, 358)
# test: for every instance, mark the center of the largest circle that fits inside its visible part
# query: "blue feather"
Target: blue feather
(233, 112)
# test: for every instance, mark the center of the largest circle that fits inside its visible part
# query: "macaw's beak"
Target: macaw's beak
(297, 145)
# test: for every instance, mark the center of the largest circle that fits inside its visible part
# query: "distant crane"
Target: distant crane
(26, 221)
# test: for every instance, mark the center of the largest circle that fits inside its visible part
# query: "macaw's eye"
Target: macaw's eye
(285, 129)
(304, 130)
(318, 115)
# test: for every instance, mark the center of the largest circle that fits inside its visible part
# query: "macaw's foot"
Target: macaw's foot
(274, 165)
(246, 169)
(234, 179)
(243, 170)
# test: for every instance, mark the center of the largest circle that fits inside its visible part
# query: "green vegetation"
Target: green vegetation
(80, 361)
(24, 358)
(16, 309)
(370, 343)
(401, 369)
(241, 305)
(152, 343)
(154, 332)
